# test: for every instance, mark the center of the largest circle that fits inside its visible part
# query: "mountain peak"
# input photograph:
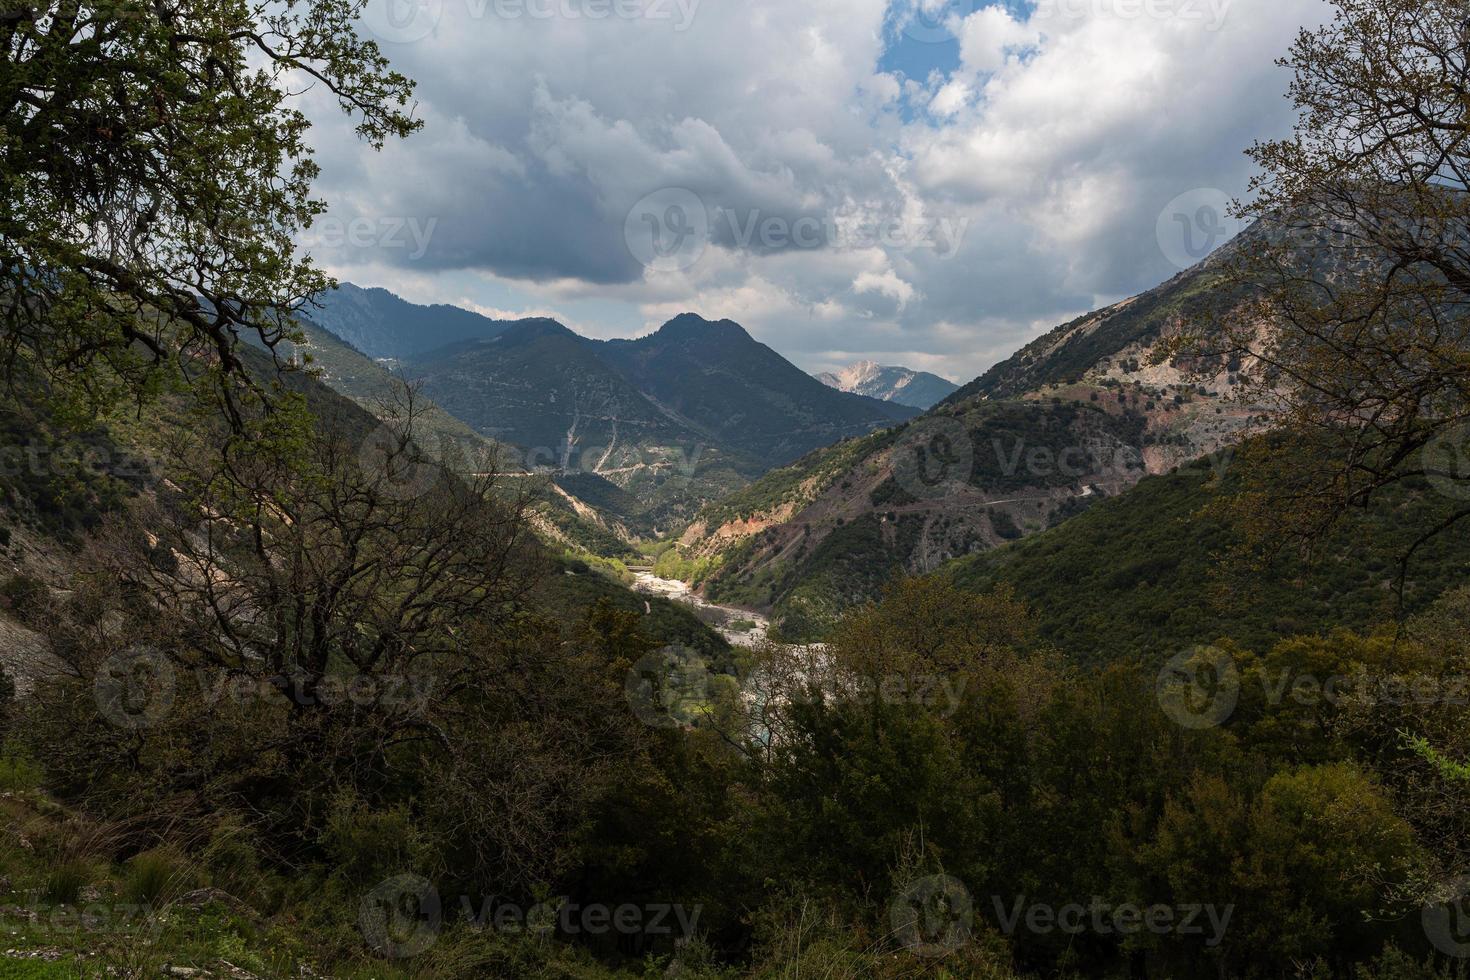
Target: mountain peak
(917, 389)
(692, 324)
(536, 326)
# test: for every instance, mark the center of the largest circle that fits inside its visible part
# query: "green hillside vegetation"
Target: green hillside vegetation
(796, 484)
(1292, 822)
(372, 385)
(377, 389)
(1158, 568)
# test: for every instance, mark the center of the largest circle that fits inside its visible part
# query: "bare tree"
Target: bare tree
(1357, 272)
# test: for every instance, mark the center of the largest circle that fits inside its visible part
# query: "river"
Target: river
(720, 618)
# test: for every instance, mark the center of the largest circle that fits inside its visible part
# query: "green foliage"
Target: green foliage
(154, 877)
(36, 969)
(65, 881)
(64, 478)
(672, 565)
(18, 771)
(569, 598)
(366, 845)
(1157, 569)
(209, 205)
(25, 596)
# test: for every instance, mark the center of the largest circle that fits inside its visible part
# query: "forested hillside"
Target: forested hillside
(1161, 568)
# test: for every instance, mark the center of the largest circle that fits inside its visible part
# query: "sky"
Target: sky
(930, 183)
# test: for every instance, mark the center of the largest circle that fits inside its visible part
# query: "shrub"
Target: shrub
(65, 881)
(7, 704)
(232, 860)
(24, 595)
(154, 877)
(368, 845)
(18, 771)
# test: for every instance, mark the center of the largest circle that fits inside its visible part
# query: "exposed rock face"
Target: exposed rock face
(905, 386)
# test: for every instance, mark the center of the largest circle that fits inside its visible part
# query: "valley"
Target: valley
(740, 491)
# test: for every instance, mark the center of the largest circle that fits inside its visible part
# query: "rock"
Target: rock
(200, 897)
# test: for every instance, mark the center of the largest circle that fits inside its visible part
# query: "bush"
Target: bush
(368, 845)
(232, 860)
(25, 596)
(65, 881)
(154, 877)
(18, 771)
(7, 704)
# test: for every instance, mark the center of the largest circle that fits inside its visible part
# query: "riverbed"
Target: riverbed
(722, 619)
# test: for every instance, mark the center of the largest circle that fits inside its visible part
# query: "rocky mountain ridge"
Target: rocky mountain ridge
(918, 389)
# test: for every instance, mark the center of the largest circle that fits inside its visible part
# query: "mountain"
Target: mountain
(561, 515)
(642, 432)
(382, 325)
(742, 392)
(1076, 417)
(636, 434)
(917, 389)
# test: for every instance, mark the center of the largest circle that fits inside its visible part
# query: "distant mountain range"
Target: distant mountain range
(918, 389)
(645, 431)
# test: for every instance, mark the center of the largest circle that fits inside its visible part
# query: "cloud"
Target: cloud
(946, 211)
(884, 284)
(990, 36)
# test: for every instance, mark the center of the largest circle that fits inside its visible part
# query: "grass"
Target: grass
(37, 969)
(65, 881)
(154, 877)
(18, 771)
